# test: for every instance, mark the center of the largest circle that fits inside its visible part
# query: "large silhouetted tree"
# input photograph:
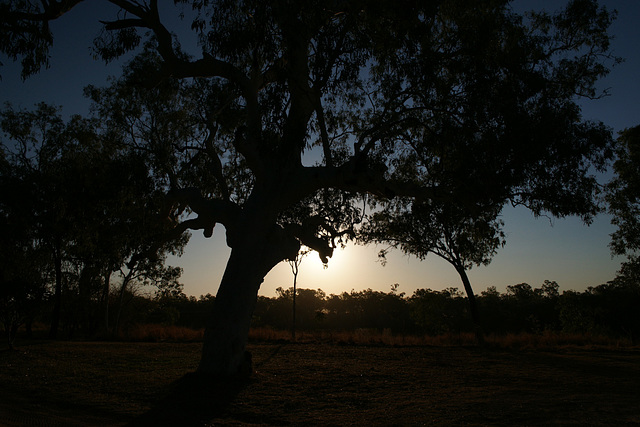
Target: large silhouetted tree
(307, 106)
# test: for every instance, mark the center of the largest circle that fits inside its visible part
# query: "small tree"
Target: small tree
(295, 268)
(461, 238)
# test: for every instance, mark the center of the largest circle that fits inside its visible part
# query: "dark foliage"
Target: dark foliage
(77, 222)
(610, 309)
(623, 197)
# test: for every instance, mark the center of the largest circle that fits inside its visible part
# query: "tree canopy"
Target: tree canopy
(77, 207)
(624, 202)
(295, 115)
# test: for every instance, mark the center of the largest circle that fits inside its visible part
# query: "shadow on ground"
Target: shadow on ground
(194, 400)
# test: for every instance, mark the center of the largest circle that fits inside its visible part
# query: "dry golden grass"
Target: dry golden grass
(545, 340)
(551, 340)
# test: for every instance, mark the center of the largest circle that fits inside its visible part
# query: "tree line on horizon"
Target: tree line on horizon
(608, 310)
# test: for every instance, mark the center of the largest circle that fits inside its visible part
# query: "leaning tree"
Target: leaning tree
(460, 237)
(310, 107)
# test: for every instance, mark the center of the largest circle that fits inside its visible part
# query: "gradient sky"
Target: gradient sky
(564, 250)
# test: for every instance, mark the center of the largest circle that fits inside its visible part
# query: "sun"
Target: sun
(347, 269)
(312, 260)
(333, 277)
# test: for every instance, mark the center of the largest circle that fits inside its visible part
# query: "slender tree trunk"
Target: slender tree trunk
(104, 328)
(293, 322)
(295, 269)
(82, 316)
(57, 298)
(123, 288)
(473, 306)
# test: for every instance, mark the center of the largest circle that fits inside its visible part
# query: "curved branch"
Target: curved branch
(52, 10)
(307, 236)
(207, 66)
(210, 212)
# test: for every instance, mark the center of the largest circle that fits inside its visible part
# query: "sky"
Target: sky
(537, 249)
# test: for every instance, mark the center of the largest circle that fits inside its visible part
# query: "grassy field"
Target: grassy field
(111, 383)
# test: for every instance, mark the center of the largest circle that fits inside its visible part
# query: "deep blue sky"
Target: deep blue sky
(563, 250)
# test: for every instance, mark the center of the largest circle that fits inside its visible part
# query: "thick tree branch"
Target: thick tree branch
(210, 212)
(324, 136)
(131, 7)
(308, 237)
(356, 176)
(123, 23)
(216, 163)
(302, 96)
(274, 73)
(249, 149)
(51, 10)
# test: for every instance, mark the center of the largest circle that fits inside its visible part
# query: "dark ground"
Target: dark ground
(90, 384)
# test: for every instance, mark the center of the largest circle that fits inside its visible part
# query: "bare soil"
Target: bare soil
(113, 384)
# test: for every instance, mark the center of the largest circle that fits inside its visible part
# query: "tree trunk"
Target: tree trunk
(473, 306)
(57, 298)
(253, 255)
(104, 301)
(83, 309)
(293, 320)
(123, 288)
(223, 352)
(12, 333)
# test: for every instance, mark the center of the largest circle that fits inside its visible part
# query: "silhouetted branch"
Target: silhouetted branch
(209, 211)
(216, 163)
(124, 23)
(326, 145)
(51, 10)
(307, 235)
(274, 73)
(358, 177)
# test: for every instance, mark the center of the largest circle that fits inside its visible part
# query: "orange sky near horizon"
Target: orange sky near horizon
(565, 250)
